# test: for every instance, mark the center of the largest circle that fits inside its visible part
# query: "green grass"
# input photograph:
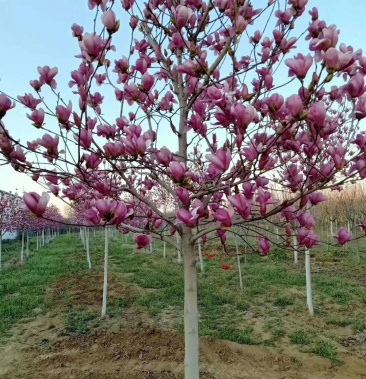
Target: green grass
(23, 288)
(80, 321)
(326, 349)
(301, 337)
(265, 312)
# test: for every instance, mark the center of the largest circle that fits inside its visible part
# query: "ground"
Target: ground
(50, 325)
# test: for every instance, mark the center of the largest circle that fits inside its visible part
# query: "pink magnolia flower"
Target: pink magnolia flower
(77, 31)
(35, 203)
(294, 105)
(289, 213)
(47, 75)
(307, 238)
(306, 219)
(95, 3)
(37, 116)
(241, 204)
(183, 195)
(63, 113)
(316, 198)
(299, 65)
(29, 101)
(177, 171)
(182, 15)
(225, 217)
(186, 217)
(264, 245)
(142, 240)
(110, 22)
(221, 160)
(317, 114)
(92, 46)
(5, 105)
(343, 236)
(91, 215)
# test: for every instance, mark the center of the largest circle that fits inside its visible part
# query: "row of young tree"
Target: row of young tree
(16, 219)
(198, 116)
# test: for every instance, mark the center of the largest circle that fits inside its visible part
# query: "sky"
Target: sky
(37, 33)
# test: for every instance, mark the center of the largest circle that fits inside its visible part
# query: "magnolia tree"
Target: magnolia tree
(217, 97)
(10, 210)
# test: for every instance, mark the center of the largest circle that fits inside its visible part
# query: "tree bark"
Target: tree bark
(309, 295)
(105, 281)
(296, 252)
(200, 256)
(86, 231)
(191, 361)
(239, 263)
(22, 251)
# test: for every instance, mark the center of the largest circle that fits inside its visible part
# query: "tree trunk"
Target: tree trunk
(200, 255)
(82, 237)
(105, 281)
(86, 231)
(191, 361)
(179, 249)
(22, 251)
(27, 246)
(164, 250)
(296, 251)
(37, 240)
(309, 295)
(239, 263)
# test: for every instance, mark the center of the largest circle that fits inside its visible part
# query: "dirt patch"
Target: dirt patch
(86, 290)
(37, 350)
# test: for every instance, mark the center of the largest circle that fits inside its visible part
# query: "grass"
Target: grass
(79, 321)
(270, 309)
(326, 349)
(301, 337)
(23, 288)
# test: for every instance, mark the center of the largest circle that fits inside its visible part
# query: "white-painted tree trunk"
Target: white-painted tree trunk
(164, 250)
(151, 248)
(239, 263)
(27, 246)
(105, 281)
(296, 251)
(191, 338)
(22, 251)
(43, 241)
(37, 238)
(87, 243)
(309, 294)
(200, 256)
(179, 248)
(82, 237)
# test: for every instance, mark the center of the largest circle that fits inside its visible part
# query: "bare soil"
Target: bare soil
(39, 349)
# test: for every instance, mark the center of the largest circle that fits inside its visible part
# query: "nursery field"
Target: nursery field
(50, 325)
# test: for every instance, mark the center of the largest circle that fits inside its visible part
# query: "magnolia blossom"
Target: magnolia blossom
(35, 203)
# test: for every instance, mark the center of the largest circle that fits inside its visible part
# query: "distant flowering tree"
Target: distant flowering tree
(204, 79)
(10, 208)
